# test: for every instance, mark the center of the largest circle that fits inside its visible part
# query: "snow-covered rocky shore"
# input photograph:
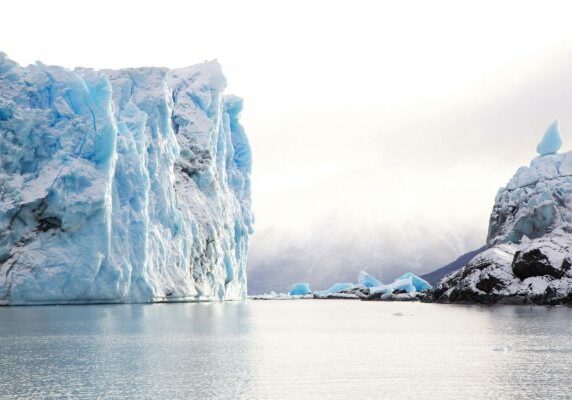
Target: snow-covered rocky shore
(528, 259)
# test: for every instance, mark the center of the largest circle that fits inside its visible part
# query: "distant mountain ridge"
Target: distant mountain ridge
(434, 277)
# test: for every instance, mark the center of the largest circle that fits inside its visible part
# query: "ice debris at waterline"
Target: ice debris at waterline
(407, 287)
(300, 289)
(127, 185)
(402, 285)
(529, 245)
(335, 288)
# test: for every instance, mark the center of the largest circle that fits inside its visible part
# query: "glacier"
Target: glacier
(528, 255)
(128, 185)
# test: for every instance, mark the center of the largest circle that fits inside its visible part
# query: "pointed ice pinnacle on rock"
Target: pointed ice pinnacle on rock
(551, 140)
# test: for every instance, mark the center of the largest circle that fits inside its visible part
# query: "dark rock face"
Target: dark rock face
(528, 254)
(533, 263)
(489, 283)
(532, 273)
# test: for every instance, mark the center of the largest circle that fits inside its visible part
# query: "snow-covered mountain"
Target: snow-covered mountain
(121, 186)
(529, 254)
(435, 276)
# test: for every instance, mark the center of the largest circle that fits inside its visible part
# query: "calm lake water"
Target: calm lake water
(286, 350)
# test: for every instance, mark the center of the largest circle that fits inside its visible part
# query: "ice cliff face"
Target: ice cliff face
(121, 186)
(529, 254)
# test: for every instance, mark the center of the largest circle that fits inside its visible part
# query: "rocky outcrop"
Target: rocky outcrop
(528, 257)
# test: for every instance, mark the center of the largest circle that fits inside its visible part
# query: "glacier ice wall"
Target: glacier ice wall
(125, 185)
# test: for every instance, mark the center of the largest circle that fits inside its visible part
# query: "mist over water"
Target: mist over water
(335, 252)
(403, 192)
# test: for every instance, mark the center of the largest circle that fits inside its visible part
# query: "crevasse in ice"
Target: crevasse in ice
(125, 185)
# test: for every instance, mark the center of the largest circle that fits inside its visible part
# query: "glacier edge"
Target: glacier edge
(127, 185)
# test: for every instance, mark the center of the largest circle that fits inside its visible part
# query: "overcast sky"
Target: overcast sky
(365, 117)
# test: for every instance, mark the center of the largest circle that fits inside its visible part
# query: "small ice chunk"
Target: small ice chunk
(300, 289)
(336, 288)
(551, 140)
(419, 283)
(405, 285)
(367, 280)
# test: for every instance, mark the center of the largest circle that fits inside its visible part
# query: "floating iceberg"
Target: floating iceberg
(420, 284)
(367, 280)
(404, 285)
(300, 289)
(125, 185)
(335, 288)
(338, 287)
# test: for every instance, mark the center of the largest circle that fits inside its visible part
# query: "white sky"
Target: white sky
(385, 112)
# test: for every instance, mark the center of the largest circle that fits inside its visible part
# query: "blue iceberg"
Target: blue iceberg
(125, 185)
(551, 141)
(420, 284)
(338, 287)
(367, 280)
(300, 289)
(405, 285)
(335, 288)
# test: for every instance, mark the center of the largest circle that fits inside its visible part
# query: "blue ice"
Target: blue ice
(300, 289)
(551, 141)
(405, 285)
(419, 283)
(121, 185)
(367, 280)
(335, 288)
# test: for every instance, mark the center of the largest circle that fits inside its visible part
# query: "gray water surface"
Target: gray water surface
(286, 350)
